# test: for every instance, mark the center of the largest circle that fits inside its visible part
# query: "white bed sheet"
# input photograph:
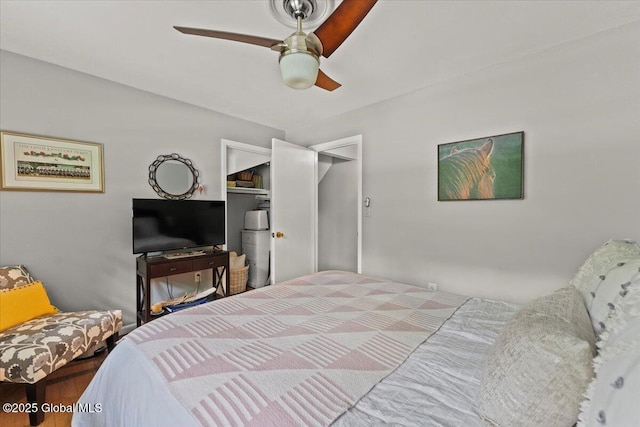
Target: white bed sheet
(436, 386)
(439, 383)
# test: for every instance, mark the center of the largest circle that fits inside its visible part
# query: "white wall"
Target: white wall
(79, 245)
(579, 106)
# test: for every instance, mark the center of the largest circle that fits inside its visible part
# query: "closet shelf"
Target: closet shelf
(254, 191)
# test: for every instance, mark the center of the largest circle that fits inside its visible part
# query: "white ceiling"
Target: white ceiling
(401, 46)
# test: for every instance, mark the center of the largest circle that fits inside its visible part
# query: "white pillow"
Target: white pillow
(613, 396)
(624, 323)
(236, 262)
(600, 262)
(612, 400)
(540, 364)
(609, 290)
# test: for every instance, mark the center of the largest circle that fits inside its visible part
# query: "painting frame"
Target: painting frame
(31, 162)
(486, 168)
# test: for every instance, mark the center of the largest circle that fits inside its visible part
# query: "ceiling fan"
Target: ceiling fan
(300, 52)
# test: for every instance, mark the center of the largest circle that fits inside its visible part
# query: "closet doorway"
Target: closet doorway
(315, 203)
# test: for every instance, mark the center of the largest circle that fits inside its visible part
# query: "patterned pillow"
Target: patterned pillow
(540, 364)
(624, 322)
(611, 287)
(613, 394)
(612, 398)
(13, 276)
(600, 263)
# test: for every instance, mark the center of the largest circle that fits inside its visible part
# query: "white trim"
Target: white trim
(240, 146)
(315, 211)
(246, 147)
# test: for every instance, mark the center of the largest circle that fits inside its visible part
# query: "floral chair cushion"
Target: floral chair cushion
(32, 350)
(13, 276)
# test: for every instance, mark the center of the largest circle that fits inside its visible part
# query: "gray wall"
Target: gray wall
(79, 245)
(579, 106)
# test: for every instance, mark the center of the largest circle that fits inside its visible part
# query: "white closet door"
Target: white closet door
(293, 210)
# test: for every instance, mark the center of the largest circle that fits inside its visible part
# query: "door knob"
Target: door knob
(279, 234)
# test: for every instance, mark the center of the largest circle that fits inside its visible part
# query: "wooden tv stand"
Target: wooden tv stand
(148, 268)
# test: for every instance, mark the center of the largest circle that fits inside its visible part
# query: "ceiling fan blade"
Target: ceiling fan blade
(244, 38)
(341, 23)
(325, 82)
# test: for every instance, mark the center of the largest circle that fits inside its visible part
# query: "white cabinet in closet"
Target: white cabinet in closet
(255, 244)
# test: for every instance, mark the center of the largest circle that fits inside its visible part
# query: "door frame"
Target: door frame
(349, 148)
(240, 146)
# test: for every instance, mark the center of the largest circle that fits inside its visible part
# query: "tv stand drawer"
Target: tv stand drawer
(169, 269)
(210, 262)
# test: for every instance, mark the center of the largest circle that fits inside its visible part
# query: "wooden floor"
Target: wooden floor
(63, 387)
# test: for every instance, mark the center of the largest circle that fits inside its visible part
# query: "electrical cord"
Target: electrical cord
(169, 290)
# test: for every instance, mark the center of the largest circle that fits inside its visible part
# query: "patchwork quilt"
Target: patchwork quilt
(297, 353)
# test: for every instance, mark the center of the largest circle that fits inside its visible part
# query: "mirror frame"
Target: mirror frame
(154, 183)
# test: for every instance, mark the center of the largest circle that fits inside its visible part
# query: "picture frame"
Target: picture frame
(40, 163)
(488, 168)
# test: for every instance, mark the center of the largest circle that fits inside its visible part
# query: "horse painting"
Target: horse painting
(466, 174)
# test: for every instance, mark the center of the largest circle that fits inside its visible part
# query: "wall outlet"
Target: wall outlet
(432, 286)
(198, 277)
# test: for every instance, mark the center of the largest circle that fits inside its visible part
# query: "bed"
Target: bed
(343, 349)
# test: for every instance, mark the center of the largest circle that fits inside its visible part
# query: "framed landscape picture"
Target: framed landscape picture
(487, 168)
(39, 163)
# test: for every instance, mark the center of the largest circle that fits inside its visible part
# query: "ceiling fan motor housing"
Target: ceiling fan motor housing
(301, 42)
(299, 8)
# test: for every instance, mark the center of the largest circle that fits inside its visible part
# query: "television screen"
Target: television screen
(163, 225)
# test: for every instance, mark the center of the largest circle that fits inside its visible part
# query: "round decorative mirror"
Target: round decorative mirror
(173, 177)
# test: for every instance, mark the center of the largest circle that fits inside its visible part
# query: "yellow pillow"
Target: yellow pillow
(24, 303)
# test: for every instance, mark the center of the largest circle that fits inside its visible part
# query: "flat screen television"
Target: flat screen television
(165, 225)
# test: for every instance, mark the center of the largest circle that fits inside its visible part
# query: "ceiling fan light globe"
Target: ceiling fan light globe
(299, 70)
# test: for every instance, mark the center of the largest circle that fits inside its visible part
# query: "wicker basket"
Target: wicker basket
(238, 280)
(245, 175)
